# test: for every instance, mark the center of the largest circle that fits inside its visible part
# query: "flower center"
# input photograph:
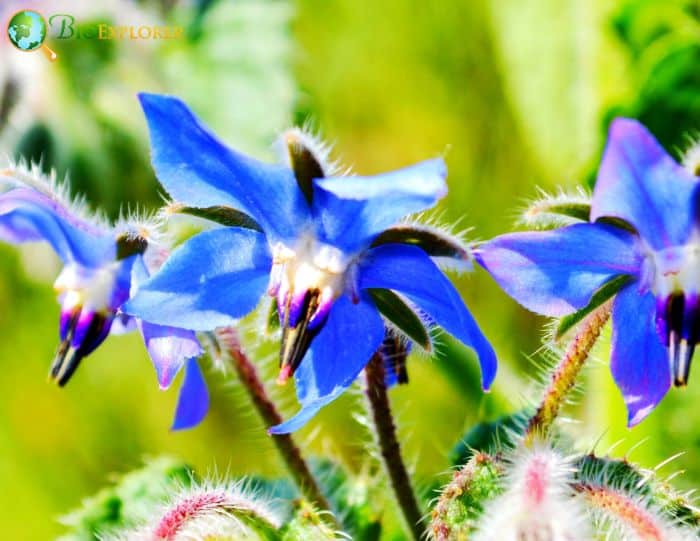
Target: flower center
(89, 299)
(306, 281)
(92, 289)
(675, 281)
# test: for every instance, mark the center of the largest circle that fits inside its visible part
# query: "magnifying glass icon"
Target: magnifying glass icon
(27, 30)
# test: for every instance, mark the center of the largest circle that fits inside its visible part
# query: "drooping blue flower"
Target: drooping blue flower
(328, 248)
(643, 227)
(103, 264)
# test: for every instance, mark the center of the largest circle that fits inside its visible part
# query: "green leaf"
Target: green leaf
(221, 215)
(489, 437)
(305, 164)
(434, 242)
(401, 315)
(605, 292)
(580, 211)
(550, 211)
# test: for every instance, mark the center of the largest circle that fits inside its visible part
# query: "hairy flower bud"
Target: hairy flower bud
(538, 502)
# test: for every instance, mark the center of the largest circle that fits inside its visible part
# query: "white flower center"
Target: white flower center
(675, 270)
(673, 274)
(310, 265)
(91, 289)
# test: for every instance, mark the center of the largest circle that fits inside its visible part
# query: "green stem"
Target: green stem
(288, 450)
(385, 433)
(566, 372)
(454, 500)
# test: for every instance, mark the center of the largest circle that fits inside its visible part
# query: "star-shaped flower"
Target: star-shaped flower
(644, 235)
(103, 264)
(329, 248)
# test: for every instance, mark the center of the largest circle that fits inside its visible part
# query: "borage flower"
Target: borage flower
(102, 265)
(643, 246)
(328, 248)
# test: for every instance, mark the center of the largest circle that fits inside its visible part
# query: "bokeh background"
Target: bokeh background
(515, 95)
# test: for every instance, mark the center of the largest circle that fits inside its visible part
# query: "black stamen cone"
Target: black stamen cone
(70, 365)
(680, 340)
(68, 358)
(59, 357)
(296, 340)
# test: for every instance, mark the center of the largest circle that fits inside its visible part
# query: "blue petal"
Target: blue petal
(197, 169)
(169, 348)
(640, 183)
(410, 271)
(208, 282)
(351, 335)
(123, 281)
(639, 360)
(353, 210)
(123, 324)
(29, 216)
(193, 402)
(556, 272)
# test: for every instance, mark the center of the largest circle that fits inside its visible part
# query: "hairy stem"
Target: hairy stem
(201, 504)
(456, 501)
(288, 450)
(568, 369)
(385, 433)
(630, 512)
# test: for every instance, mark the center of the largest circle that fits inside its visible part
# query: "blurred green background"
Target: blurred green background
(515, 95)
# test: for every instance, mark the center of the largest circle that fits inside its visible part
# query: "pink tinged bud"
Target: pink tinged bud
(185, 510)
(538, 502)
(230, 512)
(536, 479)
(633, 515)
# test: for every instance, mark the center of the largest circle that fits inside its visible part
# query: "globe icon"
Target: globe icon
(27, 30)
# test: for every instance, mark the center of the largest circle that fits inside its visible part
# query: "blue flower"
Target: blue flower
(326, 247)
(643, 232)
(103, 265)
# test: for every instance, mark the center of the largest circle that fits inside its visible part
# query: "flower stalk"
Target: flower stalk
(461, 500)
(213, 504)
(388, 443)
(635, 516)
(564, 377)
(287, 448)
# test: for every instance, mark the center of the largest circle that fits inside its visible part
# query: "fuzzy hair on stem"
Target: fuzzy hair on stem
(563, 379)
(388, 443)
(291, 454)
